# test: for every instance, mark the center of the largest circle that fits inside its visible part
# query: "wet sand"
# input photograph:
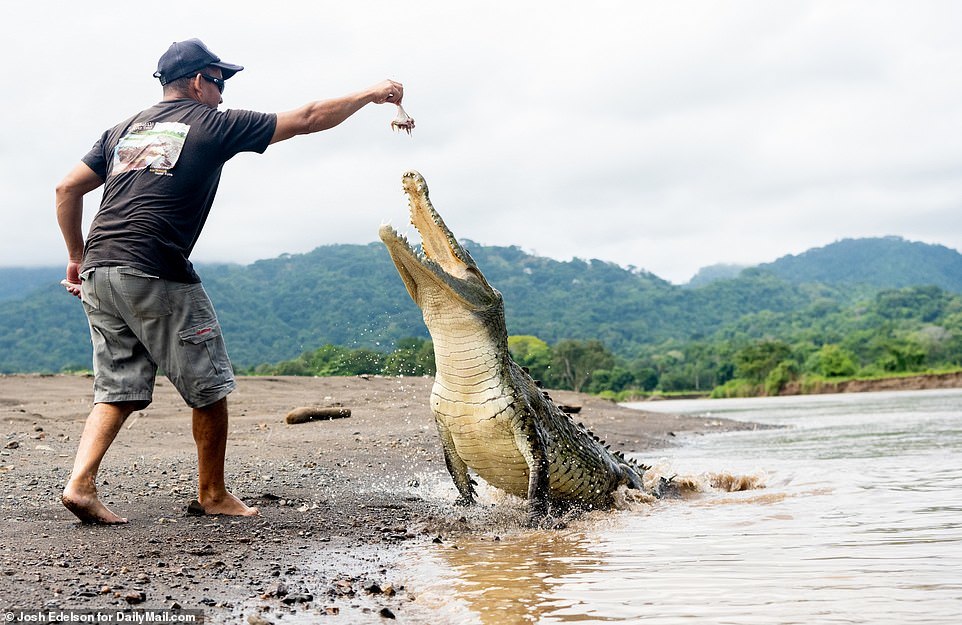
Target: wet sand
(340, 500)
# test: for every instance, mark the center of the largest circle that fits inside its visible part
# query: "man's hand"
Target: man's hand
(388, 91)
(72, 281)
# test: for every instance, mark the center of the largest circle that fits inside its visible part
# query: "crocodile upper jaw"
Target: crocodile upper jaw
(442, 262)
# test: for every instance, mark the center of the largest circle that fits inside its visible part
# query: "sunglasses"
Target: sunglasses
(218, 82)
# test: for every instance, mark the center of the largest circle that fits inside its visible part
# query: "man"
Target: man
(144, 302)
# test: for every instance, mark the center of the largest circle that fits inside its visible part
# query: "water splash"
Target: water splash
(687, 485)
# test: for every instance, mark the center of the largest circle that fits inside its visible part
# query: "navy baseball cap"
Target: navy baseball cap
(186, 57)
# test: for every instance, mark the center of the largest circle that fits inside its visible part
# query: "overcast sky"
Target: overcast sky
(663, 135)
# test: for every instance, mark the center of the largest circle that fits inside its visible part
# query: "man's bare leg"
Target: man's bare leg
(80, 493)
(210, 435)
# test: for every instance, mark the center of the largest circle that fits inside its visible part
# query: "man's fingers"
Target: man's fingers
(392, 91)
(72, 287)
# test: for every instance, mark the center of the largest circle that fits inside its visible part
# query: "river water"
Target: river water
(859, 521)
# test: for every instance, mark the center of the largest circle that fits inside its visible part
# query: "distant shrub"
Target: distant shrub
(783, 373)
(736, 388)
(833, 361)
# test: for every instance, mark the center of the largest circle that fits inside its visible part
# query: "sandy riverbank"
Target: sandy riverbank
(338, 498)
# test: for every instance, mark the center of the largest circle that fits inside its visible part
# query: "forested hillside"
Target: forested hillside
(894, 332)
(16, 282)
(351, 295)
(887, 262)
(652, 333)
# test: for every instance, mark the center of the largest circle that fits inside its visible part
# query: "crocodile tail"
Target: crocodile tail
(632, 477)
(631, 470)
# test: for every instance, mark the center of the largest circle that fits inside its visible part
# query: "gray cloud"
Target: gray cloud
(659, 135)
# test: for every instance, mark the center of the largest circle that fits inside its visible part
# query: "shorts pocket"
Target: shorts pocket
(145, 294)
(198, 358)
(88, 294)
(200, 333)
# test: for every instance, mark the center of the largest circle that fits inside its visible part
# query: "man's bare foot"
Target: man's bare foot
(89, 509)
(224, 504)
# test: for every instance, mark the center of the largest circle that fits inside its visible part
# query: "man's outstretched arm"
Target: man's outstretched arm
(324, 114)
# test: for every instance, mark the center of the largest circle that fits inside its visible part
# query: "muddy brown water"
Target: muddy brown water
(859, 521)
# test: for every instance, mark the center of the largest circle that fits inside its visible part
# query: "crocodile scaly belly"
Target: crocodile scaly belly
(479, 426)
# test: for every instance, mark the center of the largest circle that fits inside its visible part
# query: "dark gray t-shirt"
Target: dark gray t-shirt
(160, 170)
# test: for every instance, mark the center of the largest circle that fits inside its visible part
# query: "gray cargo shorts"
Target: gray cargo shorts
(140, 322)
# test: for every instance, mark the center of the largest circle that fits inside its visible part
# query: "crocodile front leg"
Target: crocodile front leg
(456, 467)
(532, 448)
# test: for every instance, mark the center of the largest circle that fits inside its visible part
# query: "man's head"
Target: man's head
(189, 68)
(186, 58)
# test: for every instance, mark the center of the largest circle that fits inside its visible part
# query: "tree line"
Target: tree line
(898, 331)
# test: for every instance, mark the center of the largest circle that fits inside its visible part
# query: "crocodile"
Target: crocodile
(492, 416)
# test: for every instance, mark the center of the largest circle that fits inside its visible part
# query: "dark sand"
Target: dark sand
(340, 500)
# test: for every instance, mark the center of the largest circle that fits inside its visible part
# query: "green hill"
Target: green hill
(888, 262)
(714, 273)
(351, 295)
(16, 282)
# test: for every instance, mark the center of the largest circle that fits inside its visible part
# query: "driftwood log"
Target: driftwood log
(305, 414)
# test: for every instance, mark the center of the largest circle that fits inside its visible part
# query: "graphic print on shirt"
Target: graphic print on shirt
(150, 145)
